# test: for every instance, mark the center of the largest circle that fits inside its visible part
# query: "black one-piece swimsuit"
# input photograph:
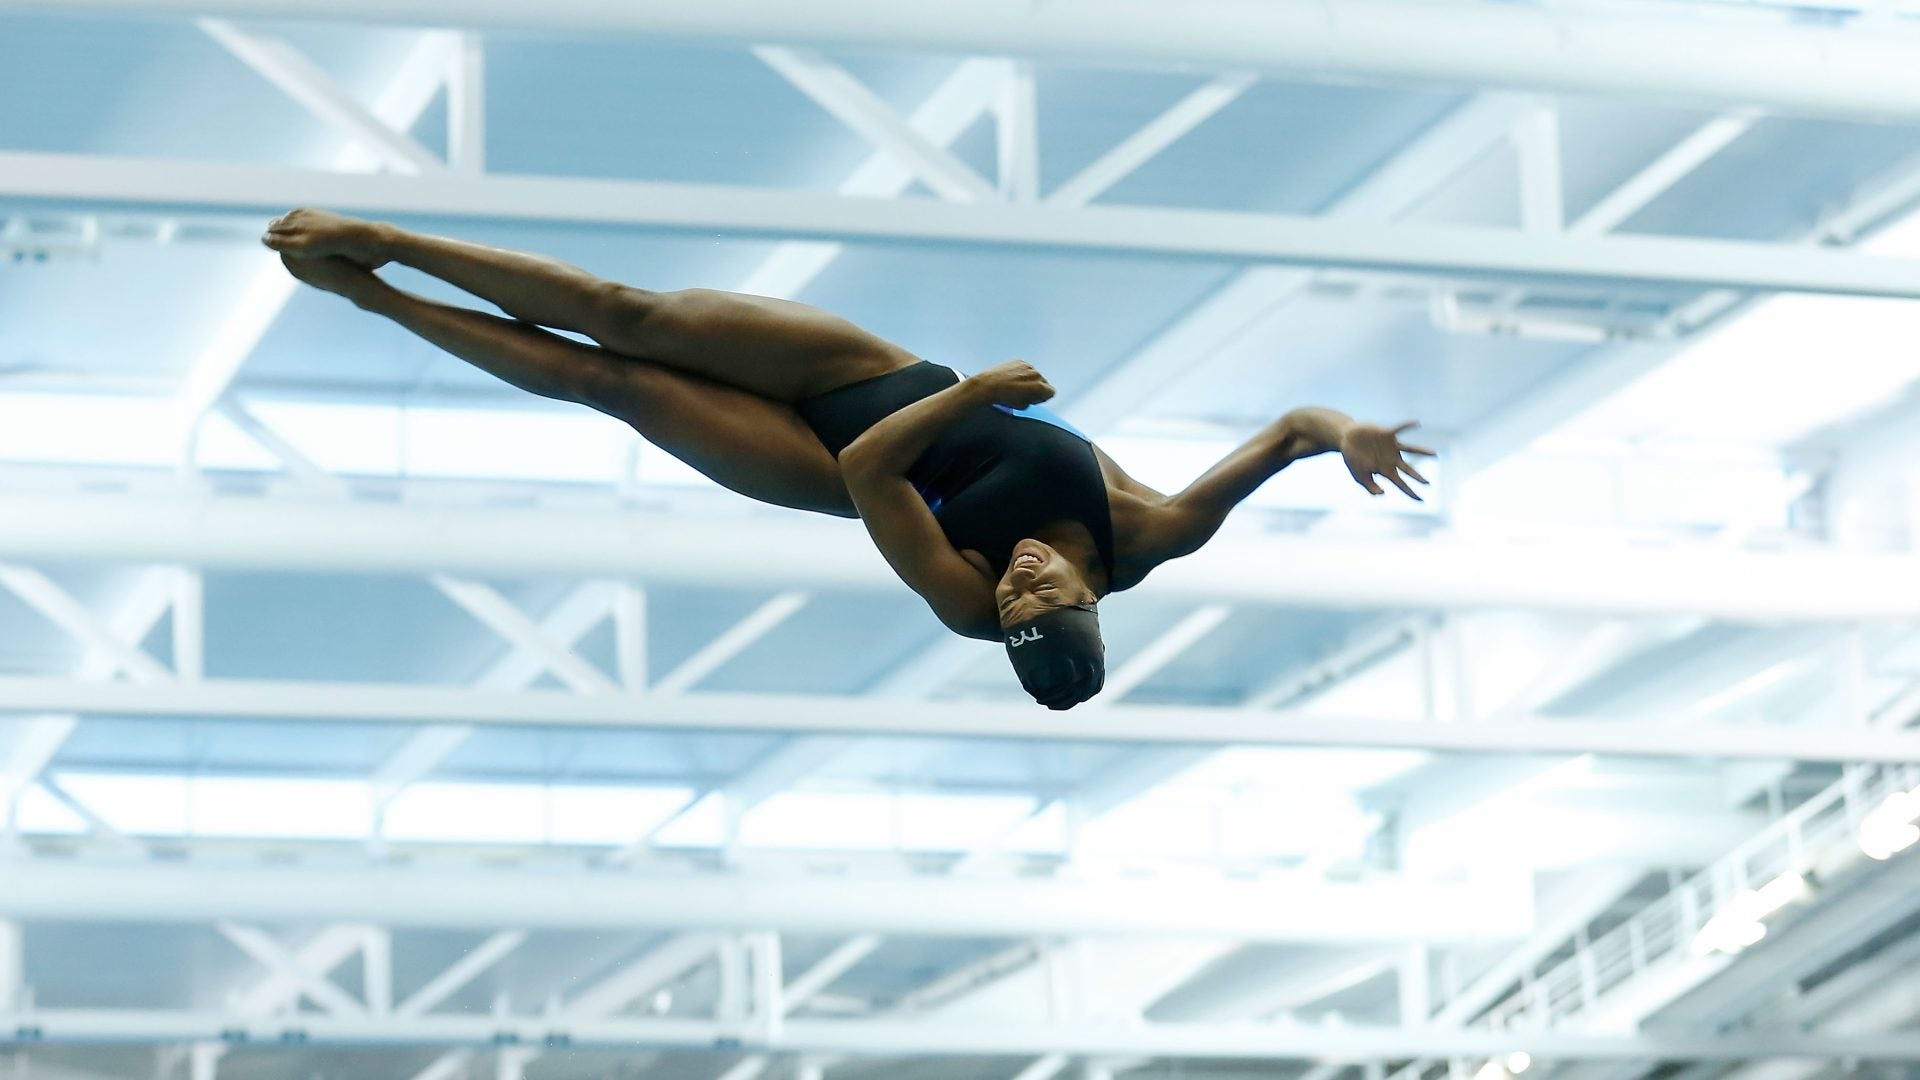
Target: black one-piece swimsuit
(993, 477)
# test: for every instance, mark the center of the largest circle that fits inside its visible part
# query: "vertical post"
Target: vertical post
(189, 624)
(1536, 143)
(630, 636)
(1415, 978)
(769, 999)
(12, 968)
(731, 814)
(467, 104)
(1019, 135)
(1425, 641)
(1065, 964)
(203, 1061)
(732, 1005)
(376, 970)
(1852, 666)
(1460, 664)
(809, 1069)
(1589, 971)
(511, 1064)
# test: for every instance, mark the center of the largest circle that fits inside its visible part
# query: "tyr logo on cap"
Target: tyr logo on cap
(1023, 637)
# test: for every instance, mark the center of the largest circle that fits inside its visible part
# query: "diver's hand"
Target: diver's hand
(1014, 384)
(1372, 451)
(337, 275)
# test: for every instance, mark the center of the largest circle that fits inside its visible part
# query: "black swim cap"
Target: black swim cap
(1059, 656)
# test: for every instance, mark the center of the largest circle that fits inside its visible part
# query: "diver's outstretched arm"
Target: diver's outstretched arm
(1183, 523)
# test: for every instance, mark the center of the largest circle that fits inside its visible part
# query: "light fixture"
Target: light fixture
(1740, 924)
(1890, 827)
(1519, 1061)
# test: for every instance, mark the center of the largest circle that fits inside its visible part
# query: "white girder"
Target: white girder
(1450, 251)
(1287, 908)
(825, 714)
(782, 552)
(921, 1038)
(1745, 59)
(1434, 158)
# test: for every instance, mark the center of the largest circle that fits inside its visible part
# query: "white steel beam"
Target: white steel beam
(781, 769)
(1740, 58)
(12, 968)
(1536, 144)
(423, 752)
(1134, 775)
(1514, 426)
(804, 988)
(1425, 165)
(498, 614)
(1297, 908)
(1017, 134)
(325, 951)
(919, 1038)
(821, 714)
(604, 998)
(39, 738)
(1662, 173)
(580, 611)
(850, 102)
(1163, 650)
(1258, 991)
(657, 967)
(825, 971)
(297, 464)
(467, 104)
(189, 624)
(278, 959)
(789, 552)
(59, 607)
(303, 81)
(259, 302)
(1144, 145)
(737, 639)
(948, 112)
(630, 635)
(1045, 1067)
(460, 973)
(1446, 250)
(28, 752)
(376, 969)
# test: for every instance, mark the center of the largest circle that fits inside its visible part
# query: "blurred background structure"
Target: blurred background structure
(363, 718)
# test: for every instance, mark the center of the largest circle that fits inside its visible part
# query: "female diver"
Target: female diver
(1007, 521)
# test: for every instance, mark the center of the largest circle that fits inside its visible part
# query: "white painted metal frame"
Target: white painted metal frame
(822, 714)
(1756, 58)
(1447, 251)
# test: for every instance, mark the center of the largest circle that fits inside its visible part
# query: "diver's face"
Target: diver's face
(1038, 580)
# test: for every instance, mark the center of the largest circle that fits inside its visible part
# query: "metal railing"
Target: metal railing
(1819, 836)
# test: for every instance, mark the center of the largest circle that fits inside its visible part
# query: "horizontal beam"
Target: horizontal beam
(920, 1037)
(1449, 251)
(1289, 908)
(823, 714)
(1863, 71)
(782, 552)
